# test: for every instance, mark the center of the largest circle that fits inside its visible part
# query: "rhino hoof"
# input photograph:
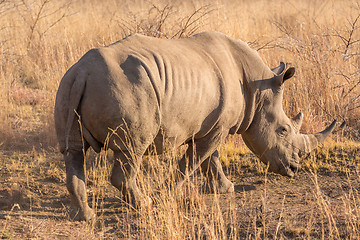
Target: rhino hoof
(231, 188)
(140, 201)
(78, 215)
(221, 188)
(146, 202)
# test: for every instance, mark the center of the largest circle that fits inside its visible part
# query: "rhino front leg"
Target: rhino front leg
(75, 183)
(217, 180)
(202, 152)
(185, 166)
(124, 177)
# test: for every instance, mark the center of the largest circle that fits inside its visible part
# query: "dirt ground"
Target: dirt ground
(34, 203)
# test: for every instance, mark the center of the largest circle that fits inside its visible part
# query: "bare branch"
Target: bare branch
(348, 40)
(35, 22)
(189, 21)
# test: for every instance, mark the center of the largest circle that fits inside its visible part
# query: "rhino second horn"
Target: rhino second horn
(325, 133)
(311, 141)
(297, 121)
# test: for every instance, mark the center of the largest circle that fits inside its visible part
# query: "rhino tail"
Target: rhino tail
(76, 93)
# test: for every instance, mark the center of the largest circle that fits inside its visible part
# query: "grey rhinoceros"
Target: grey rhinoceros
(143, 91)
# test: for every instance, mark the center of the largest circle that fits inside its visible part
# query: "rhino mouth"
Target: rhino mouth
(289, 167)
(293, 166)
(286, 167)
(288, 170)
(292, 169)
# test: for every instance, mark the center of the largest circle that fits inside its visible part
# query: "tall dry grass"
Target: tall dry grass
(200, 216)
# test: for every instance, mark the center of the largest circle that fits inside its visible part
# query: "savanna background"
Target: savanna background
(41, 39)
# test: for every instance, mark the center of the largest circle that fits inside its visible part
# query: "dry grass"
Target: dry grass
(322, 202)
(41, 39)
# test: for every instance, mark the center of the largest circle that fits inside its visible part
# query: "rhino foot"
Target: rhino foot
(219, 187)
(135, 199)
(87, 215)
(144, 202)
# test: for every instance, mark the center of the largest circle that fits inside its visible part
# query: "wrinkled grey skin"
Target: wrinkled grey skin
(143, 91)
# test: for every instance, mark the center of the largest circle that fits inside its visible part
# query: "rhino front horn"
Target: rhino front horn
(313, 140)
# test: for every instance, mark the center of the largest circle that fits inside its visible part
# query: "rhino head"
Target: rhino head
(274, 137)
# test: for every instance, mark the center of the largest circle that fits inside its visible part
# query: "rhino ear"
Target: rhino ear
(279, 69)
(283, 72)
(288, 73)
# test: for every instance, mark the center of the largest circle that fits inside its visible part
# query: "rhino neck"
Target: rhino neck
(253, 95)
(250, 96)
(254, 74)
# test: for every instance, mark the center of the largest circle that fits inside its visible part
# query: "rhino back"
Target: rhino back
(162, 89)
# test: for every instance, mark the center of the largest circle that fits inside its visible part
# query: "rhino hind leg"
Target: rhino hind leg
(124, 178)
(75, 183)
(216, 179)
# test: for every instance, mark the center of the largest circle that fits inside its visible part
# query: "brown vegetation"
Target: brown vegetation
(41, 39)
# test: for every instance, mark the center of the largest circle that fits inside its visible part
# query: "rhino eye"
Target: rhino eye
(282, 131)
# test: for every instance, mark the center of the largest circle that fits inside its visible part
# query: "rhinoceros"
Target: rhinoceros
(144, 92)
